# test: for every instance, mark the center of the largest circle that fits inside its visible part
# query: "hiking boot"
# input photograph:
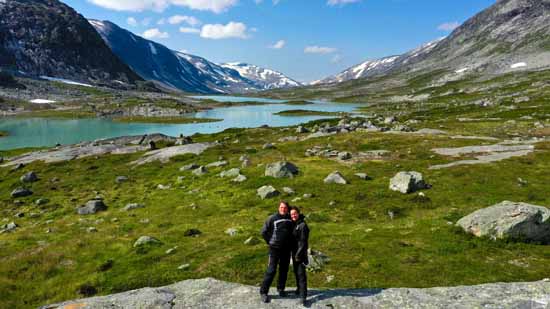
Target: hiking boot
(303, 302)
(265, 298)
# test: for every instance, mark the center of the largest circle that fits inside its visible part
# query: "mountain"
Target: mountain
(48, 38)
(264, 78)
(179, 70)
(379, 66)
(510, 35)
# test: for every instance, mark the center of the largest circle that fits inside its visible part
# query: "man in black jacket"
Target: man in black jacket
(277, 233)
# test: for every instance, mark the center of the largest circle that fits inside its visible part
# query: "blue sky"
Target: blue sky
(316, 38)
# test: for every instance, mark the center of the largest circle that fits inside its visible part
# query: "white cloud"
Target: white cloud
(340, 2)
(155, 33)
(319, 50)
(278, 45)
(178, 19)
(131, 21)
(216, 6)
(189, 30)
(450, 26)
(219, 31)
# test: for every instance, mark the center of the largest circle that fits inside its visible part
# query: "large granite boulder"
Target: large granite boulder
(408, 182)
(511, 220)
(211, 293)
(266, 192)
(21, 192)
(336, 178)
(29, 177)
(91, 207)
(281, 169)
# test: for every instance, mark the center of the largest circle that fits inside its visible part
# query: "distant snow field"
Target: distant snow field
(41, 101)
(518, 65)
(65, 81)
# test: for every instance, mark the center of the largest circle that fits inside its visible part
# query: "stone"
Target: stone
(19, 215)
(171, 251)
(164, 187)
(289, 191)
(91, 207)
(335, 178)
(307, 195)
(246, 163)
(301, 130)
(41, 201)
(146, 240)
(344, 156)
(267, 192)
(192, 233)
(121, 179)
(189, 167)
(363, 176)
(132, 206)
(281, 169)
(212, 293)
(7, 228)
(252, 241)
(316, 260)
(390, 120)
(234, 172)
(29, 177)
(184, 267)
(202, 170)
(243, 158)
(18, 166)
(231, 232)
(268, 146)
(91, 229)
(217, 164)
(332, 203)
(408, 182)
(21, 192)
(239, 179)
(509, 220)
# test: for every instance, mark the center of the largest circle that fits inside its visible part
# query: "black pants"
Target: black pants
(280, 257)
(301, 278)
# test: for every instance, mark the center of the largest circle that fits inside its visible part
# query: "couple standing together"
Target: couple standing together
(286, 233)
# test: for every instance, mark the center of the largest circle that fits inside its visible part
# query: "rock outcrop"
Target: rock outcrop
(520, 221)
(211, 293)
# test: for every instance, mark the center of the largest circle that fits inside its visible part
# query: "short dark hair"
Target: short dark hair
(286, 204)
(295, 208)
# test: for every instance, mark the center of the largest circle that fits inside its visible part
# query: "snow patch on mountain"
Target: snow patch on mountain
(264, 78)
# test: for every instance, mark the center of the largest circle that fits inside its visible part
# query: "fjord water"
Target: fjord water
(46, 132)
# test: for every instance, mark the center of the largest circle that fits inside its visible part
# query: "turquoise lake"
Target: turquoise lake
(44, 132)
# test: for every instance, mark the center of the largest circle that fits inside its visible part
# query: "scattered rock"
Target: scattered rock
(266, 192)
(41, 201)
(363, 176)
(335, 178)
(217, 164)
(7, 228)
(239, 179)
(288, 191)
(234, 172)
(171, 251)
(91, 207)
(519, 221)
(29, 177)
(408, 182)
(132, 206)
(200, 171)
(301, 130)
(316, 260)
(21, 192)
(344, 156)
(231, 232)
(121, 179)
(184, 267)
(307, 195)
(189, 167)
(252, 241)
(146, 240)
(192, 233)
(332, 203)
(268, 146)
(246, 163)
(91, 229)
(281, 169)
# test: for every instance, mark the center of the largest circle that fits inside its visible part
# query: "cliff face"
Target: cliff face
(210, 293)
(47, 37)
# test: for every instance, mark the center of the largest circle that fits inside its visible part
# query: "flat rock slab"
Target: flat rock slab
(211, 293)
(481, 149)
(495, 157)
(163, 155)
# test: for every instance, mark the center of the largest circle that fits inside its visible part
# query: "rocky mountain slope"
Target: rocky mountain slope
(264, 78)
(510, 35)
(183, 71)
(211, 293)
(48, 38)
(379, 66)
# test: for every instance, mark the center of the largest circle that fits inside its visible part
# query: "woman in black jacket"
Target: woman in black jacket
(299, 252)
